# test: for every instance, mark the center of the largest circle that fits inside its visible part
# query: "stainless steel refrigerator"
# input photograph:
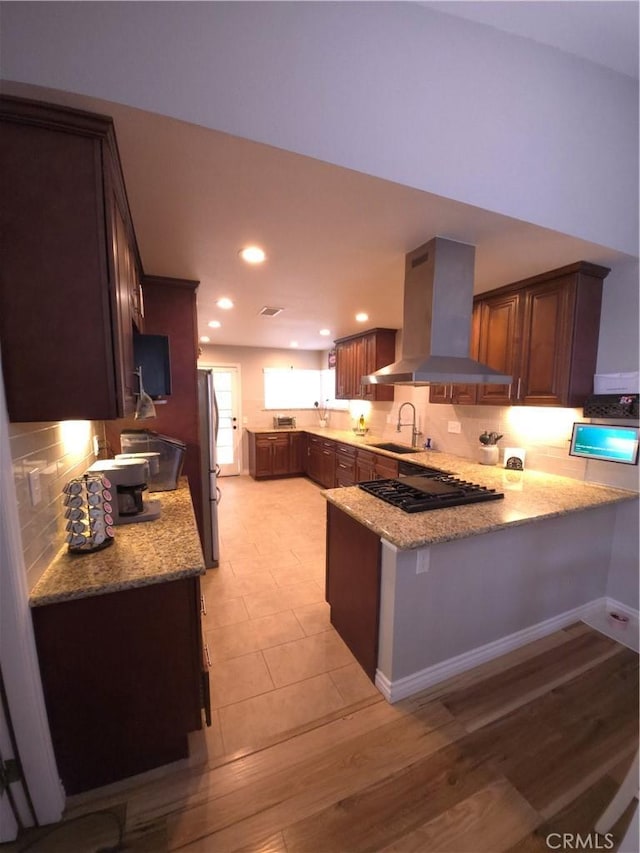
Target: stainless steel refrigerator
(208, 415)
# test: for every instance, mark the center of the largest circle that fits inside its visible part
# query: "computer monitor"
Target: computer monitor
(605, 443)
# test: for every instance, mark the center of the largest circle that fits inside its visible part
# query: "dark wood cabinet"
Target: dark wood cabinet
(275, 454)
(544, 332)
(359, 355)
(500, 342)
(69, 285)
(365, 466)
(385, 467)
(297, 452)
(353, 585)
(345, 464)
(123, 680)
(321, 461)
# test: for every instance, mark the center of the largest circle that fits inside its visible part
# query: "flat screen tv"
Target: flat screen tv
(151, 353)
(605, 443)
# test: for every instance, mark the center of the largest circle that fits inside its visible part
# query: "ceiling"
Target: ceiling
(601, 31)
(335, 239)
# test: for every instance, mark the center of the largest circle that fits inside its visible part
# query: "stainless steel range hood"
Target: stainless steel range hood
(438, 302)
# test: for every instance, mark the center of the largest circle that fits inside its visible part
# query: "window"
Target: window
(292, 388)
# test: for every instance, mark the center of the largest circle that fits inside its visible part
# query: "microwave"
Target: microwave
(284, 422)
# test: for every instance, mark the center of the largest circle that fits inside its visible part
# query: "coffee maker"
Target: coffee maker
(128, 482)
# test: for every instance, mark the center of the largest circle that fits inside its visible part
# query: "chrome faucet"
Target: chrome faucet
(414, 430)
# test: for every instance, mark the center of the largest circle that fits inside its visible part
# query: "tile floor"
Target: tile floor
(276, 661)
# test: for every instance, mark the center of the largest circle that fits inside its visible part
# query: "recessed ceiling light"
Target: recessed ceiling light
(252, 255)
(205, 339)
(325, 332)
(214, 324)
(225, 303)
(362, 317)
(293, 344)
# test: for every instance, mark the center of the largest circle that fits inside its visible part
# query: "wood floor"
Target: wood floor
(496, 759)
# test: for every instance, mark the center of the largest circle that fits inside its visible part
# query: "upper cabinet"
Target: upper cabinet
(543, 331)
(359, 355)
(70, 279)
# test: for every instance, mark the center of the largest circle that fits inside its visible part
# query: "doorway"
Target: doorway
(226, 382)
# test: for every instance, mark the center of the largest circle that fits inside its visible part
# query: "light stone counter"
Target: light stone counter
(142, 553)
(529, 496)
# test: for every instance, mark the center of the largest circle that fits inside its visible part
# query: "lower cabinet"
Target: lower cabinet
(321, 461)
(385, 467)
(353, 586)
(345, 465)
(276, 454)
(123, 680)
(365, 466)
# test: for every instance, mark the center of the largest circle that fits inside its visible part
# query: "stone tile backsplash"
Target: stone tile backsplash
(543, 432)
(59, 451)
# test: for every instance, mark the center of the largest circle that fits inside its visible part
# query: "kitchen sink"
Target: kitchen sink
(396, 448)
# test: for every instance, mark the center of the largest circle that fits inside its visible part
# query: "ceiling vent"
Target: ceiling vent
(269, 312)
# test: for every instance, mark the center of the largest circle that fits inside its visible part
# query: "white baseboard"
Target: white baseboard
(594, 613)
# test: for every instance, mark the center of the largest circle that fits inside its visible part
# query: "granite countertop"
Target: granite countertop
(529, 496)
(142, 553)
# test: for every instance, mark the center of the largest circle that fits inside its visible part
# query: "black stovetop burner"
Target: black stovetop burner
(419, 494)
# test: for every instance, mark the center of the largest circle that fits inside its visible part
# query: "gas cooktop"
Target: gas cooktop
(420, 494)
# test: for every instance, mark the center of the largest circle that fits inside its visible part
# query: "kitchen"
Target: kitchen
(616, 353)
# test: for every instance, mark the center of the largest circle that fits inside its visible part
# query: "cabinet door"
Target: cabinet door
(297, 452)
(365, 466)
(59, 311)
(280, 459)
(385, 467)
(547, 344)
(314, 459)
(328, 465)
(360, 355)
(379, 350)
(345, 465)
(343, 370)
(121, 675)
(263, 456)
(499, 344)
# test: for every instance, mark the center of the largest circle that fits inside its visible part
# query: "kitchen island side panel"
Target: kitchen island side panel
(451, 598)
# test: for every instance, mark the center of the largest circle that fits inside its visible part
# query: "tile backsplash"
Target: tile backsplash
(543, 432)
(58, 451)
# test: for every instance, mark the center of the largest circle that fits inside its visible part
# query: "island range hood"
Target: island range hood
(438, 302)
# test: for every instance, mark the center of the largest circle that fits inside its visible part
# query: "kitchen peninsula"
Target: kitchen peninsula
(120, 648)
(420, 597)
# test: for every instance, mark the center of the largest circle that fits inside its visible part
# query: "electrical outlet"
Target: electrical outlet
(96, 445)
(35, 489)
(454, 426)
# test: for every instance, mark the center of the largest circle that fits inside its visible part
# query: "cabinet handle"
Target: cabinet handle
(518, 391)
(207, 655)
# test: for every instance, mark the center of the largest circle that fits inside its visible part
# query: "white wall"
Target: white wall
(391, 89)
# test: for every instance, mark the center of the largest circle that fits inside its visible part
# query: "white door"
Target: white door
(226, 381)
